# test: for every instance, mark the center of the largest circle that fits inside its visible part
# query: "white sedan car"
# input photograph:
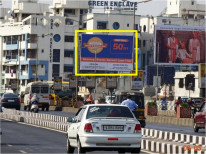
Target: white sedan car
(104, 127)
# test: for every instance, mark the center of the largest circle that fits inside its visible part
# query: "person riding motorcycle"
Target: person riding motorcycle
(164, 104)
(34, 99)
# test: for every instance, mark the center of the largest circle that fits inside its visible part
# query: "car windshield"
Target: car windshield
(10, 96)
(109, 111)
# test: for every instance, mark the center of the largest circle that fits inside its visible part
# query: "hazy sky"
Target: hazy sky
(155, 7)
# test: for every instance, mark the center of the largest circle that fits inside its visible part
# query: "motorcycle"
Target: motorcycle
(163, 106)
(34, 107)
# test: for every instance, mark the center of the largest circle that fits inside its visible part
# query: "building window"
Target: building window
(23, 82)
(139, 43)
(85, 25)
(192, 2)
(69, 11)
(127, 25)
(136, 26)
(68, 68)
(144, 28)
(68, 53)
(56, 55)
(68, 38)
(144, 43)
(42, 51)
(181, 83)
(42, 66)
(101, 25)
(55, 70)
(68, 22)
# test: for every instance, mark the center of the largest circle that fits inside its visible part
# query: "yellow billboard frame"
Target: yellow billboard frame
(106, 31)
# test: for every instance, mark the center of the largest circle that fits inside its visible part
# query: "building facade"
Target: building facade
(37, 40)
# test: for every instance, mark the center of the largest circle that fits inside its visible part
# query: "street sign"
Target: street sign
(156, 81)
(72, 82)
(90, 82)
(111, 82)
(202, 76)
(137, 81)
(57, 83)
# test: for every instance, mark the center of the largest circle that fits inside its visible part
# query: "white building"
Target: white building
(38, 41)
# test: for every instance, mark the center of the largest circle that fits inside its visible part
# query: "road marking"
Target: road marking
(22, 151)
(9, 145)
(36, 126)
(148, 152)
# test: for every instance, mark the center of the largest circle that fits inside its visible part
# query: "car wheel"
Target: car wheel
(79, 148)
(25, 107)
(47, 108)
(69, 148)
(195, 127)
(136, 150)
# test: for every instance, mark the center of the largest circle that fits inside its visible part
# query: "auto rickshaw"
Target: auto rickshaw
(138, 97)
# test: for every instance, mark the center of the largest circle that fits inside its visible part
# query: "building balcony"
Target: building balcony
(10, 76)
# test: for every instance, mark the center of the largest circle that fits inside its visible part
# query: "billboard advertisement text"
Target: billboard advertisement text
(106, 52)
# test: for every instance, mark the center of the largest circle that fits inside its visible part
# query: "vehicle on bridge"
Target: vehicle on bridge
(200, 118)
(104, 127)
(42, 91)
(136, 96)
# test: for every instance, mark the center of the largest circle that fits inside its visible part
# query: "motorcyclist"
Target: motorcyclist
(34, 99)
(163, 102)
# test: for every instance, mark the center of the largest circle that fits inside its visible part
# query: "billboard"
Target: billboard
(137, 81)
(180, 45)
(106, 53)
(202, 75)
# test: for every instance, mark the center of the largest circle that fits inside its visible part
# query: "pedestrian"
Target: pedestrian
(89, 100)
(164, 104)
(190, 103)
(130, 103)
(177, 103)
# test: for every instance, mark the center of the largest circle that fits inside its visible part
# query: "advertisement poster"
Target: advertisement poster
(180, 45)
(111, 82)
(57, 83)
(137, 81)
(106, 52)
(90, 82)
(202, 75)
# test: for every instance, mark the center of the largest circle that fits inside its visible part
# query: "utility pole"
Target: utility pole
(157, 71)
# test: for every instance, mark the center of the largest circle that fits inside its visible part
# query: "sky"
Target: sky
(154, 8)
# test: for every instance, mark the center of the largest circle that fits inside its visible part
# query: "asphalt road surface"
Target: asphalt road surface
(21, 138)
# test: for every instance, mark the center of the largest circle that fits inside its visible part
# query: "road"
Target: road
(21, 138)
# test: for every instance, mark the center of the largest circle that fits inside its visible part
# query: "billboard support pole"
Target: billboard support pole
(157, 71)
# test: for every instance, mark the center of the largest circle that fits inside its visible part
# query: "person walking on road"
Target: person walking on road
(130, 103)
(177, 103)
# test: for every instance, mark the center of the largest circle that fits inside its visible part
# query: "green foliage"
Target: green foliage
(65, 98)
(184, 105)
(151, 103)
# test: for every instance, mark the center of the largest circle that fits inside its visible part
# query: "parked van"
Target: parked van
(42, 91)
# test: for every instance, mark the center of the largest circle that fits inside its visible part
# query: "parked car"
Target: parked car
(200, 118)
(10, 100)
(104, 127)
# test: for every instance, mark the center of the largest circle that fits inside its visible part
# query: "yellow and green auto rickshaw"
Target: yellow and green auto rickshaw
(138, 97)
